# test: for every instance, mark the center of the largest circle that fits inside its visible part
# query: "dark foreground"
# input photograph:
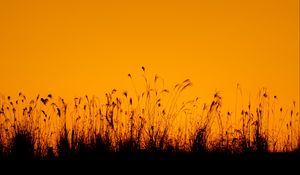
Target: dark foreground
(144, 163)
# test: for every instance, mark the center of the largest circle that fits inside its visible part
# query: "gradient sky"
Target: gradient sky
(76, 47)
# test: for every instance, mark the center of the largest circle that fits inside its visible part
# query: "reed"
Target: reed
(154, 120)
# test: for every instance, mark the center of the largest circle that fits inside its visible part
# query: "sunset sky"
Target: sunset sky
(72, 48)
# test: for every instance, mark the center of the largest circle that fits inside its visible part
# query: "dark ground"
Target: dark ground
(167, 163)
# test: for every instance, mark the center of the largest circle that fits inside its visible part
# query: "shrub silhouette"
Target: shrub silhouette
(22, 145)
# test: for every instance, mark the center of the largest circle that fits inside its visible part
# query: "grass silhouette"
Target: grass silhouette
(148, 125)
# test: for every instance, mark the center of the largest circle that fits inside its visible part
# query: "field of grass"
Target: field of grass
(153, 124)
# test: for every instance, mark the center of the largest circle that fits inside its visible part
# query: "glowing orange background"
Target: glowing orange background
(88, 47)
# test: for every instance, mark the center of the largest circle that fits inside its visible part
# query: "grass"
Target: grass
(152, 123)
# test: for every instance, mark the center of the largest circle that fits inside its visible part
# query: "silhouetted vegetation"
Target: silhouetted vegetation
(147, 124)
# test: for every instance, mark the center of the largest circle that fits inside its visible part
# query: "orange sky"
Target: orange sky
(88, 47)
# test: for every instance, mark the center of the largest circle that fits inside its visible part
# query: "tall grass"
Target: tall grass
(154, 120)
